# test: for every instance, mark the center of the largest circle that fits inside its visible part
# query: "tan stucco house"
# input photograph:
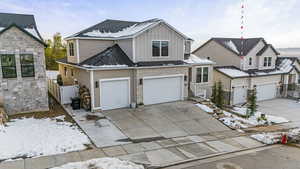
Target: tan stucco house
(245, 64)
(127, 63)
(23, 85)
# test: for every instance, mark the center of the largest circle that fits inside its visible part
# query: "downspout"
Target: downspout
(92, 90)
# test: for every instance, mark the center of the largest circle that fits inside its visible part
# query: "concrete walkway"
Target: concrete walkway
(154, 153)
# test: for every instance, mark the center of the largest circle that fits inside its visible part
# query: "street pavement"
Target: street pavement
(274, 157)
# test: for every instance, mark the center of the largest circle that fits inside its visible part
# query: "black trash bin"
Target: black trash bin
(75, 103)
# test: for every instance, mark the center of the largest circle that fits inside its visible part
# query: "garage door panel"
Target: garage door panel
(114, 94)
(266, 92)
(239, 95)
(160, 90)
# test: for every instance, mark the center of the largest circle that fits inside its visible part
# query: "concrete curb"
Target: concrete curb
(208, 156)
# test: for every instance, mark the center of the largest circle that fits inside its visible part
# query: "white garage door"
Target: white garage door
(239, 95)
(114, 93)
(160, 90)
(266, 92)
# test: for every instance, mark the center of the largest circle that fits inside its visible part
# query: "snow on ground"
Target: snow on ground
(205, 108)
(29, 137)
(267, 138)
(271, 119)
(101, 163)
(235, 121)
(193, 59)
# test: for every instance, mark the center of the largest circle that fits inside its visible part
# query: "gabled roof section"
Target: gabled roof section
(111, 57)
(25, 23)
(118, 29)
(240, 47)
(287, 64)
(262, 51)
(195, 60)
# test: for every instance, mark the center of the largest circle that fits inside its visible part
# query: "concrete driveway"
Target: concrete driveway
(167, 120)
(286, 108)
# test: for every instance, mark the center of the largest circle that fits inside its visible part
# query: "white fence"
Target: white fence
(63, 94)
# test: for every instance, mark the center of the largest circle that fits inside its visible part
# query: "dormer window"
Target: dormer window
(250, 61)
(160, 48)
(71, 48)
(267, 61)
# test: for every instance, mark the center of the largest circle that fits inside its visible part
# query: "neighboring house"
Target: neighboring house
(23, 85)
(126, 63)
(243, 65)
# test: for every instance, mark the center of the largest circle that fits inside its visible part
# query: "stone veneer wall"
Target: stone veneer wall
(19, 94)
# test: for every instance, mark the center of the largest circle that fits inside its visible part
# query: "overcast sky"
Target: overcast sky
(275, 20)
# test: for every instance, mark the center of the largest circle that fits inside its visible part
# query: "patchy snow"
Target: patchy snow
(52, 74)
(129, 31)
(101, 163)
(232, 46)
(267, 138)
(193, 59)
(1, 28)
(232, 123)
(270, 119)
(205, 108)
(31, 137)
(105, 66)
(233, 72)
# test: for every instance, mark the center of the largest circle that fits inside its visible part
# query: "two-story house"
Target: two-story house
(245, 64)
(124, 63)
(23, 85)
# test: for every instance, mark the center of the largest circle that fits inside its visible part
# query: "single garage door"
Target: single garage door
(266, 92)
(162, 89)
(114, 93)
(239, 95)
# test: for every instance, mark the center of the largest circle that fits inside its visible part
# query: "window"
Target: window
(71, 48)
(267, 61)
(202, 75)
(8, 64)
(72, 72)
(160, 48)
(27, 65)
(65, 71)
(250, 61)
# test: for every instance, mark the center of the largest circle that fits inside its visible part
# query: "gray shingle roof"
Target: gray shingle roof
(113, 26)
(243, 46)
(265, 48)
(111, 56)
(23, 21)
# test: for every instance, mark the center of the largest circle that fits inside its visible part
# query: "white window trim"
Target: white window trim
(267, 61)
(69, 49)
(160, 56)
(202, 75)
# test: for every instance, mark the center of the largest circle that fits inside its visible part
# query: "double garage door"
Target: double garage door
(115, 93)
(264, 92)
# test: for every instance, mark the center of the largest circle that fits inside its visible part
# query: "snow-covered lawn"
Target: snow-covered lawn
(275, 137)
(29, 137)
(238, 120)
(101, 163)
(205, 108)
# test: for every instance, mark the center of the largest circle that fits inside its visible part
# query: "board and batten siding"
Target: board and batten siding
(91, 47)
(218, 54)
(127, 46)
(143, 44)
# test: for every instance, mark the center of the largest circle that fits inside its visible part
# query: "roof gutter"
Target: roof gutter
(121, 68)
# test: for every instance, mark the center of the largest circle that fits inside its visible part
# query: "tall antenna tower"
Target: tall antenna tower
(242, 25)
